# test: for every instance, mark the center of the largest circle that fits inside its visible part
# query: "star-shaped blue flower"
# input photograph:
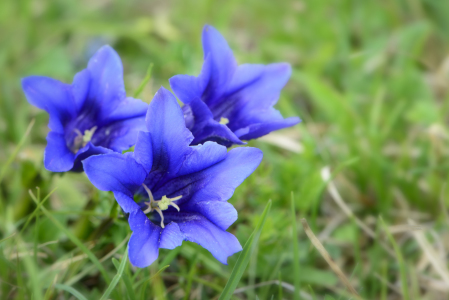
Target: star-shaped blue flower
(184, 188)
(90, 116)
(228, 103)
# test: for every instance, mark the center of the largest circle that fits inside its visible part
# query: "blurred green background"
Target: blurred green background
(370, 83)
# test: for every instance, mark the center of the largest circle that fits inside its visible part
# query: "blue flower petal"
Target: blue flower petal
(201, 123)
(252, 93)
(126, 202)
(57, 156)
(257, 130)
(107, 89)
(80, 88)
(84, 153)
(119, 135)
(144, 242)
(115, 172)
(128, 108)
(188, 87)
(198, 229)
(168, 133)
(202, 157)
(222, 64)
(143, 152)
(215, 183)
(147, 238)
(171, 236)
(52, 96)
(221, 213)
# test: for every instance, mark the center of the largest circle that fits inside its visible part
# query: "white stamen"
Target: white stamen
(150, 194)
(159, 205)
(162, 216)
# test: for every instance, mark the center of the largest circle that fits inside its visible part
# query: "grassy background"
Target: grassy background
(370, 82)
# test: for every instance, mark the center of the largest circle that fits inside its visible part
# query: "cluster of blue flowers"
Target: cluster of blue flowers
(180, 172)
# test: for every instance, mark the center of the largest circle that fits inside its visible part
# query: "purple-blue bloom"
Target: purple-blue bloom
(90, 116)
(183, 190)
(228, 103)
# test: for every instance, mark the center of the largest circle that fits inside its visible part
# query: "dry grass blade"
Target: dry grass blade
(432, 256)
(283, 141)
(317, 244)
(289, 287)
(326, 175)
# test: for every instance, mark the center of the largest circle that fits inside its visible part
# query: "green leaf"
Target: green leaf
(296, 294)
(144, 81)
(16, 151)
(126, 279)
(70, 290)
(36, 210)
(244, 257)
(74, 239)
(117, 276)
(400, 258)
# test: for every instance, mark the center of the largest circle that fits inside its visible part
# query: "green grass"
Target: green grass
(370, 82)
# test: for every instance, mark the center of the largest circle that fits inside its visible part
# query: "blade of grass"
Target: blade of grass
(192, 272)
(128, 284)
(144, 81)
(74, 279)
(51, 287)
(317, 244)
(16, 150)
(117, 276)
(296, 294)
(280, 287)
(7, 238)
(400, 258)
(244, 257)
(31, 271)
(152, 277)
(36, 210)
(70, 290)
(74, 239)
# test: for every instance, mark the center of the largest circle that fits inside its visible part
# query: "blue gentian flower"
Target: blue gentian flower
(90, 116)
(228, 103)
(183, 190)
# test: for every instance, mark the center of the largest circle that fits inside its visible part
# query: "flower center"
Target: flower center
(81, 140)
(159, 205)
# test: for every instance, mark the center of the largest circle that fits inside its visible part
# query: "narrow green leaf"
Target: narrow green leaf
(144, 81)
(190, 277)
(31, 271)
(7, 238)
(129, 286)
(74, 239)
(70, 290)
(280, 290)
(117, 276)
(159, 272)
(296, 294)
(16, 150)
(312, 292)
(244, 257)
(400, 258)
(36, 210)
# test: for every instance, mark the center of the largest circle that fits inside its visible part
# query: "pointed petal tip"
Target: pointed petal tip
(293, 120)
(208, 27)
(33, 80)
(107, 49)
(105, 56)
(225, 260)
